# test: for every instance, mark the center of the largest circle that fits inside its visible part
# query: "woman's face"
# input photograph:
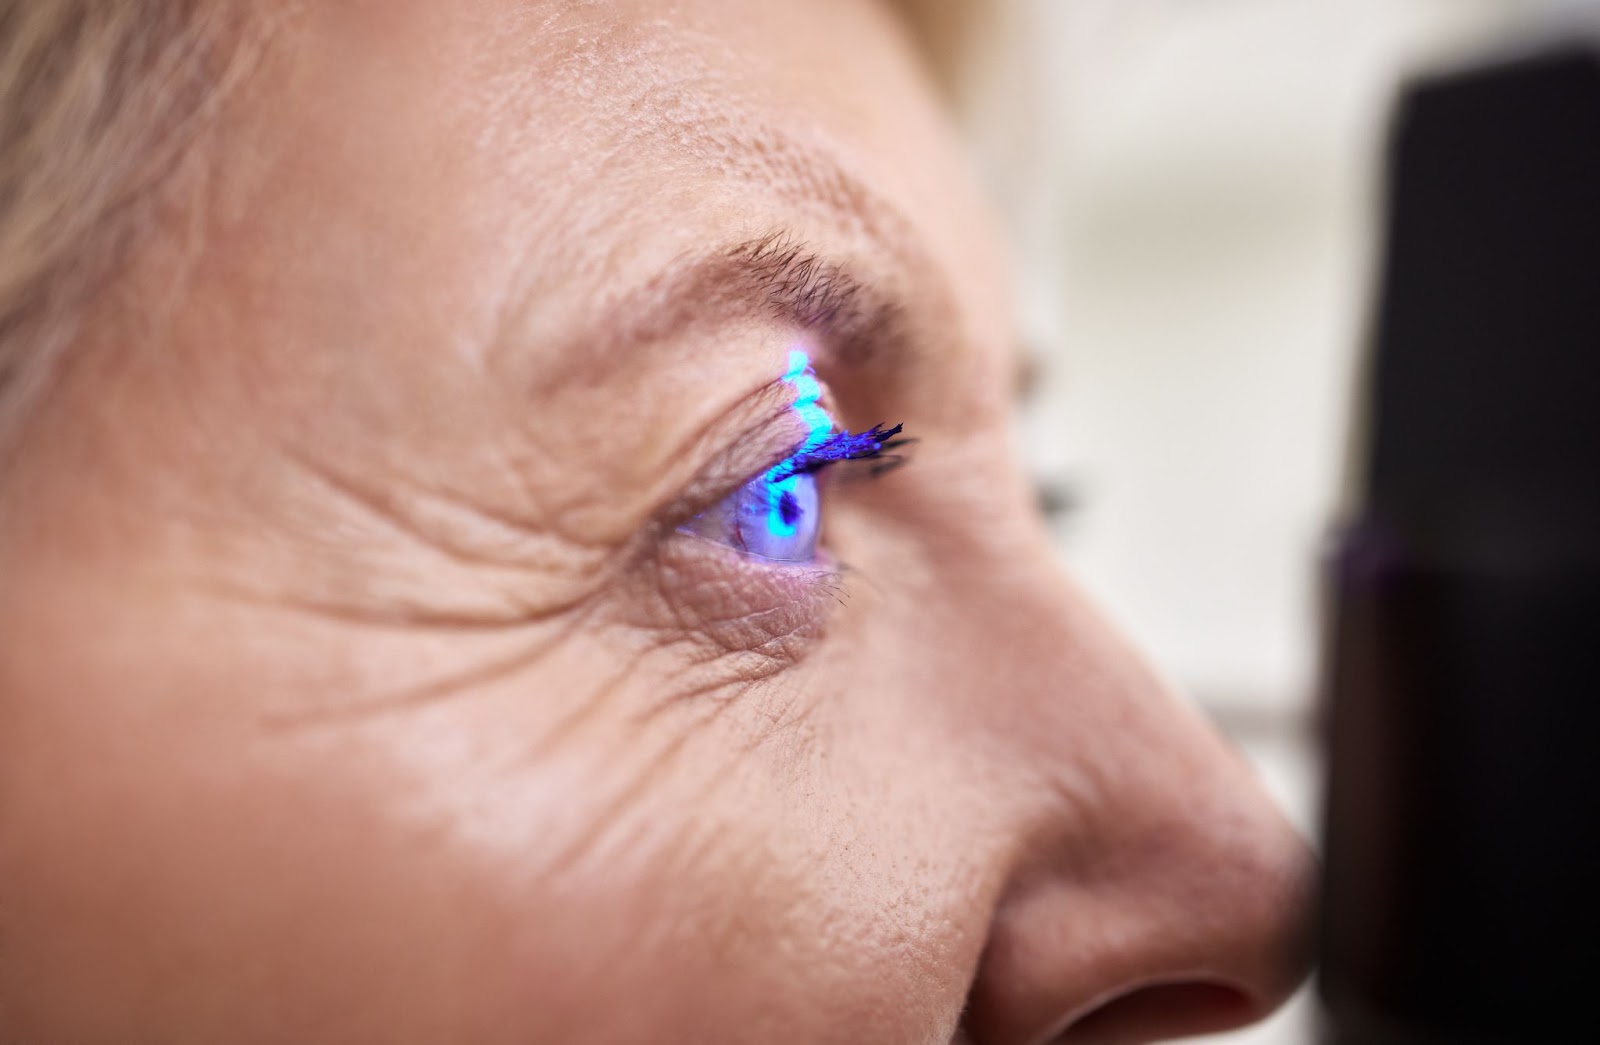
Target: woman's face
(411, 630)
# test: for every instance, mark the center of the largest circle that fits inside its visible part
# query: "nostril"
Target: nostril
(1158, 1011)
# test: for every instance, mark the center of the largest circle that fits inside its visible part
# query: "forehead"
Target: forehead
(576, 149)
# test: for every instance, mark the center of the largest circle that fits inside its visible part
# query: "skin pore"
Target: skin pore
(359, 683)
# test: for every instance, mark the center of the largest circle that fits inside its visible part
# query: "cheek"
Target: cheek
(786, 868)
(505, 861)
(729, 866)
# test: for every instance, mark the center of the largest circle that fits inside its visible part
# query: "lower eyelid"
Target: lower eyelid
(726, 603)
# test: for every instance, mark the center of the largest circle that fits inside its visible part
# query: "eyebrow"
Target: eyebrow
(861, 321)
(804, 287)
(866, 324)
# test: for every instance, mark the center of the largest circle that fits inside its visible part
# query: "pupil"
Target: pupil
(788, 508)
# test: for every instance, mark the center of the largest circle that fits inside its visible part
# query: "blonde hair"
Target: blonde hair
(98, 101)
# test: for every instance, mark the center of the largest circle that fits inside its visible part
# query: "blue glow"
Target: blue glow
(819, 426)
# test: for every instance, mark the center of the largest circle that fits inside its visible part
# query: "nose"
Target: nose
(1154, 891)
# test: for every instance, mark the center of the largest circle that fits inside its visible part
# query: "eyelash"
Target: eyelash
(874, 444)
(775, 516)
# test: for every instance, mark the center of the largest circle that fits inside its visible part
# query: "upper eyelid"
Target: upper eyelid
(798, 426)
(742, 456)
(724, 477)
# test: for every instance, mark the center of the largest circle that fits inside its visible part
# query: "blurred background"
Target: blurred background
(1192, 188)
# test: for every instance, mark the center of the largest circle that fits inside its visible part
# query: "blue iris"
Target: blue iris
(779, 520)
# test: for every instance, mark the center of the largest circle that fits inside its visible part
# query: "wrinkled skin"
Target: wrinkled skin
(358, 684)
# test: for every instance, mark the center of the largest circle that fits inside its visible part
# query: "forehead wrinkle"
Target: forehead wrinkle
(663, 108)
(684, 90)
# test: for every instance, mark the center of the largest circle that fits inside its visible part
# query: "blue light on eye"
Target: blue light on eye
(776, 515)
(783, 490)
(800, 377)
(780, 520)
(783, 512)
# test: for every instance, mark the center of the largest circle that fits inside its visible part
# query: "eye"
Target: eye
(777, 515)
(773, 516)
